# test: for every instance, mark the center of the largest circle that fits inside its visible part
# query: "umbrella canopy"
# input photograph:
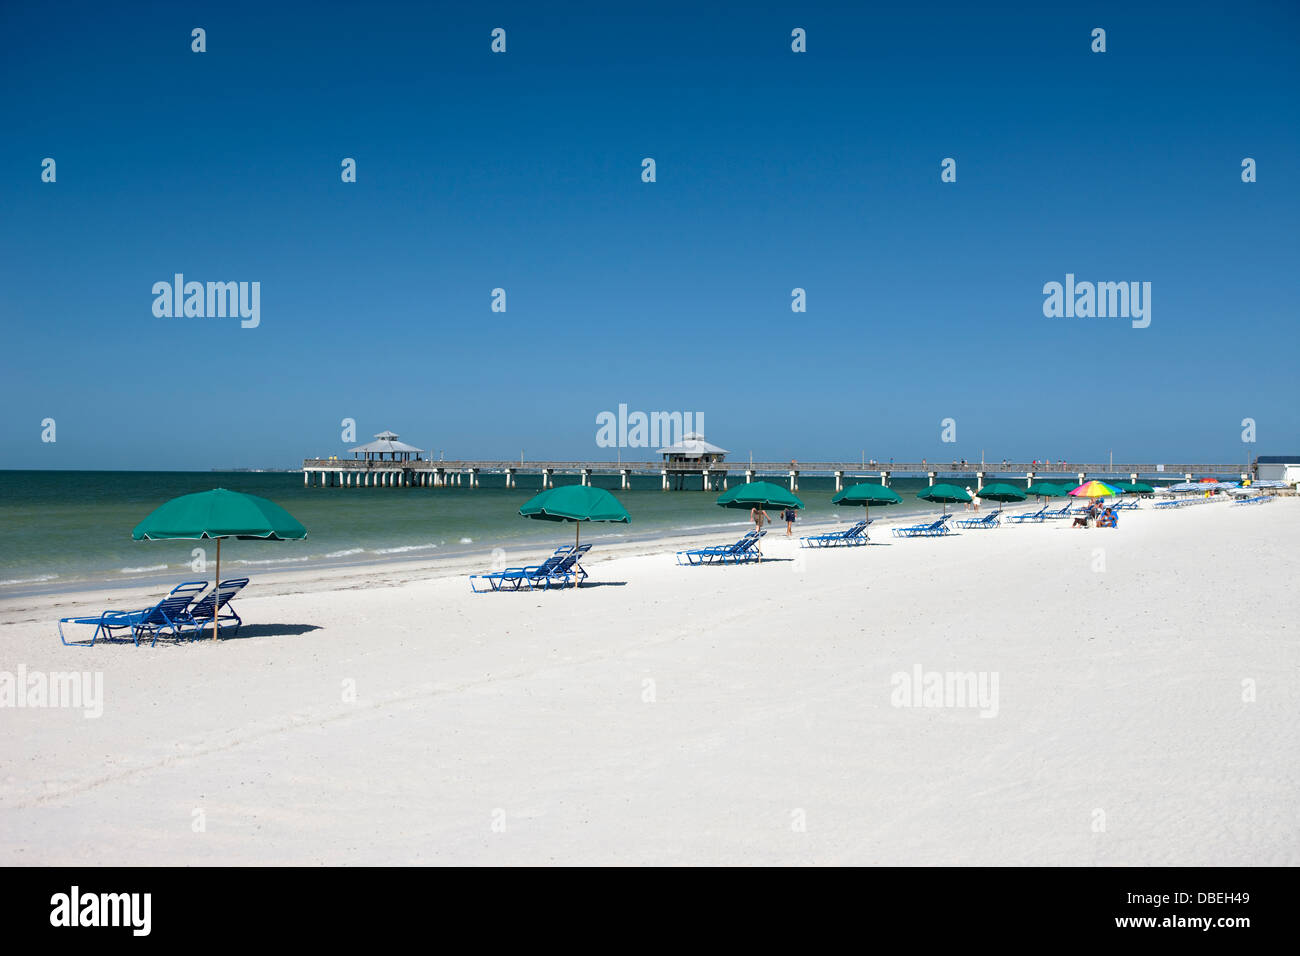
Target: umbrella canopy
(867, 493)
(1133, 487)
(1047, 490)
(1001, 491)
(945, 494)
(576, 503)
(1094, 489)
(219, 514)
(759, 494)
(1185, 486)
(948, 494)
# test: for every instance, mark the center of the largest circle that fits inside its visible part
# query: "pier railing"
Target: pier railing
(1173, 469)
(426, 473)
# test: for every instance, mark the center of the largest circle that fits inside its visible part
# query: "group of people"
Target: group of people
(1099, 515)
(761, 518)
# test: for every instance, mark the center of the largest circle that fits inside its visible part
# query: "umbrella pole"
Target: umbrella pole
(216, 591)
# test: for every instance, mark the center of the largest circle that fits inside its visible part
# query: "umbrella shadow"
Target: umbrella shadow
(269, 630)
(602, 584)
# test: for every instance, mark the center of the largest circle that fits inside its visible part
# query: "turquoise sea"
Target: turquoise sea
(61, 530)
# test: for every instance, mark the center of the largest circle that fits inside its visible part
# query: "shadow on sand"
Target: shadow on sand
(266, 630)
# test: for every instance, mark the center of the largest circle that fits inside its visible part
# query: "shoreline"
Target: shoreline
(448, 563)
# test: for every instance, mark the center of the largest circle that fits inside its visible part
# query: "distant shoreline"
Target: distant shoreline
(454, 560)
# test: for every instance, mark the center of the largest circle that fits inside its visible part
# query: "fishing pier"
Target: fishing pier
(715, 476)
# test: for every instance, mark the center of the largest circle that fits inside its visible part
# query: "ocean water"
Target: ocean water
(67, 529)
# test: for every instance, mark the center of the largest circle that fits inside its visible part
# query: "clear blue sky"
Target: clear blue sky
(523, 171)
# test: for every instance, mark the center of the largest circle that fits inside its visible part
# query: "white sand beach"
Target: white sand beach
(1146, 710)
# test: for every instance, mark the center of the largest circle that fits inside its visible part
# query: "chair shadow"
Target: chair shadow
(602, 584)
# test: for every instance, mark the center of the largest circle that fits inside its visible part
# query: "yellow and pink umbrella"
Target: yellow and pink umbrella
(1095, 489)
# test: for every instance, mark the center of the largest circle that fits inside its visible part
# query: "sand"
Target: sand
(1146, 711)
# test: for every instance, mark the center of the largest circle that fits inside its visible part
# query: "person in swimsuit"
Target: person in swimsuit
(760, 518)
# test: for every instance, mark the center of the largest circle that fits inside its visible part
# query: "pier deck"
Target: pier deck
(350, 472)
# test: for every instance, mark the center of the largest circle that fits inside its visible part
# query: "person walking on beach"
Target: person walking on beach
(760, 518)
(788, 517)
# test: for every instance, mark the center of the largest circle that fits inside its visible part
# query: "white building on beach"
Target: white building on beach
(1278, 468)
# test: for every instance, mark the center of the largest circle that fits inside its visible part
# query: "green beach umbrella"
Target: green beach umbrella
(759, 494)
(866, 494)
(1133, 487)
(219, 514)
(945, 494)
(576, 503)
(1047, 490)
(1001, 492)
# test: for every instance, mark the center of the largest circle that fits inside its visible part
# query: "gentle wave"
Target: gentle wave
(409, 547)
(345, 552)
(152, 567)
(43, 577)
(274, 560)
(466, 540)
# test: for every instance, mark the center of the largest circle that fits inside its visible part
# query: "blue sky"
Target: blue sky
(522, 171)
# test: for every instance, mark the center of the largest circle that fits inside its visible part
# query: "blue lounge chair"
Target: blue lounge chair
(933, 530)
(989, 520)
(168, 615)
(1168, 504)
(561, 568)
(512, 579)
(216, 602)
(743, 551)
(1038, 516)
(1066, 512)
(569, 570)
(848, 538)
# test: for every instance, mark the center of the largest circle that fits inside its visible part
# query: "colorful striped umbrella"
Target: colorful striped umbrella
(1094, 489)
